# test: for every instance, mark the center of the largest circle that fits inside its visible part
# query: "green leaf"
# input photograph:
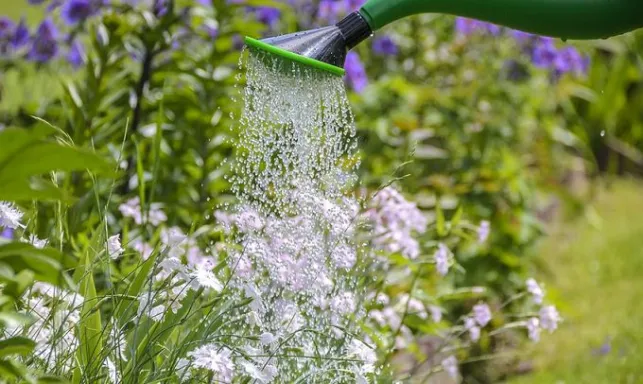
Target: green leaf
(14, 320)
(457, 216)
(18, 345)
(11, 369)
(42, 157)
(18, 284)
(90, 325)
(33, 189)
(440, 221)
(47, 264)
(26, 153)
(51, 380)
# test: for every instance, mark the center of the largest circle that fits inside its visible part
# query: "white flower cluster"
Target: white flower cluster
(481, 316)
(176, 277)
(132, 209)
(10, 216)
(395, 220)
(301, 255)
(391, 315)
(297, 264)
(225, 365)
(548, 317)
(56, 313)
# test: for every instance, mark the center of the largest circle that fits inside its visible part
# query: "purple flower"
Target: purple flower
(54, 4)
(329, 10)
(20, 35)
(466, 26)
(268, 15)
(237, 42)
(355, 72)
(354, 5)
(211, 30)
(44, 45)
(482, 314)
(384, 46)
(6, 28)
(570, 60)
(76, 54)
(36, 2)
(160, 8)
(7, 233)
(564, 60)
(521, 36)
(76, 11)
(544, 53)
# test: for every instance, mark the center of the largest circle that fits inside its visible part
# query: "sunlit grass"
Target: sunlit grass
(597, 272)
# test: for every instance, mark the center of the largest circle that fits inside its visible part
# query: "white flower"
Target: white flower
(483, 231)
(248, 220)
(533, 329)
(214, 359)
(145, 306)
(535, 290)
(35, 241)
(112, 372)
(143, 248)
(172, 237)
(344, 256)
(267, 338)
(382, 298)
(114, 248)
(156, 215)
(474, 330)
(207, 279)
(182, 369)
(441, 259)
(10, 216)
(395, 220)
(414, 305)
(450, 366)
(549, 318)
(363, 352)
(436, 313)
(482, 314)
(132, 208)
(170, 265)
(265, 375)
(72, 299)
(343, 303)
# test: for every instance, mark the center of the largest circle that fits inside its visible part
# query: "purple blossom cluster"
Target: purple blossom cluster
(545, 54)
(466, 26)
(46, 42)
(355, 72)
(12, 36)
(541, 50)
(396, 221)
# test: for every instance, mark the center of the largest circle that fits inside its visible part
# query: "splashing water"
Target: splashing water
(295, 226)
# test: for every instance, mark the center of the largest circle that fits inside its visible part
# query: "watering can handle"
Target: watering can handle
(566, 19)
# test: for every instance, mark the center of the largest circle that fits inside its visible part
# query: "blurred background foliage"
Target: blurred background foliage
(458, 119)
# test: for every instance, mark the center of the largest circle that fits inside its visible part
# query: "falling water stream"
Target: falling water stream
(296, 221)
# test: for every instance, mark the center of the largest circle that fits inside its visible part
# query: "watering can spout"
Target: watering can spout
(325, 48)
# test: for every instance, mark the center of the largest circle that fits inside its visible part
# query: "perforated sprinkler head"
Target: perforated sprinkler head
(322, 48)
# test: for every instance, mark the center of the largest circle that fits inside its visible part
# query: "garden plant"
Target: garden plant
(158, 227)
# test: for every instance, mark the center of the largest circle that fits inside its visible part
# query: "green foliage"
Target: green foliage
(594, 268)
(465, 126)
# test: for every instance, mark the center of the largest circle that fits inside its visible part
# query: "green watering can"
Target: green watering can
(325, 48)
